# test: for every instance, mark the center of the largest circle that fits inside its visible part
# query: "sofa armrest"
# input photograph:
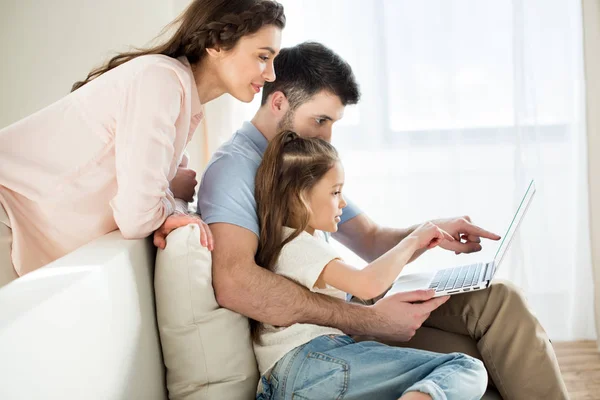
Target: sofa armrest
(83, 326)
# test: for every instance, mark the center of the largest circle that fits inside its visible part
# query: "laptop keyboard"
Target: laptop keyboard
(456, 277)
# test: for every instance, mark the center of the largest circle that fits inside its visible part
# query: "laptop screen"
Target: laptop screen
(514, 224)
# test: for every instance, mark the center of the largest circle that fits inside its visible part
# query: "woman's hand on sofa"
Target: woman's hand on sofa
(178, 220)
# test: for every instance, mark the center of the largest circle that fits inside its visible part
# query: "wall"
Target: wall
(48, 45)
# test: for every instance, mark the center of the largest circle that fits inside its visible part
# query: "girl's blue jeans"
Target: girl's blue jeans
(336, 367)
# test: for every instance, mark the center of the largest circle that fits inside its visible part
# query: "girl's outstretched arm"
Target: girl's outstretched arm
(379, 275)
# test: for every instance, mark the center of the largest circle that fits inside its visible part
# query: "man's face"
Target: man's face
(314, 118)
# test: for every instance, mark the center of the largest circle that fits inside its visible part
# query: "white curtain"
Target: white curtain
(463, 102)
(591, 23)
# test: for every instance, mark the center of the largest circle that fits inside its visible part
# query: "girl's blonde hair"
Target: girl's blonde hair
(290, 168)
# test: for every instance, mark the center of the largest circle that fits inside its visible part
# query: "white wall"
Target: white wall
(46, 46)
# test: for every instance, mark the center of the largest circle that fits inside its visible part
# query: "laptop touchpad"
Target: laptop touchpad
(409, 282)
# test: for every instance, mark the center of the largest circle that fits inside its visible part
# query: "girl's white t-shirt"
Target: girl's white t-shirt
(302, 260)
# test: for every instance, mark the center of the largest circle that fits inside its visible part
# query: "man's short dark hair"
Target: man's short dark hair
(308, 68)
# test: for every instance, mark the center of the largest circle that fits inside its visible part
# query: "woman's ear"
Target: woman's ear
(278, 104)
(215, 52)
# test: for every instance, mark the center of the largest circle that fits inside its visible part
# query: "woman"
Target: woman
(102, 158)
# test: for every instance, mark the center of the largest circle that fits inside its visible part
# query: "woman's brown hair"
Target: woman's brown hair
(290, 168)
(205, 24)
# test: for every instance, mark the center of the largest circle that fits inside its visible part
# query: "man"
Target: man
(312, 88)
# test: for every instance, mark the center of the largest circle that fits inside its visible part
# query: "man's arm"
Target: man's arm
(226, 202)
(370, 240)
(243, 286)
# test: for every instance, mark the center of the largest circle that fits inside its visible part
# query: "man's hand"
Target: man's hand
(177, 220)
(403, 313)
(467, 235)
(183, 185)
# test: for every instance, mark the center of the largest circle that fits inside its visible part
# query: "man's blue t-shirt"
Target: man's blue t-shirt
(226, 192)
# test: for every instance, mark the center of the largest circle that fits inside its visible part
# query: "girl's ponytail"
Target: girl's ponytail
(269, 196)
(290, 168)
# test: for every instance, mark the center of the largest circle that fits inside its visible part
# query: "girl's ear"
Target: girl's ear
(298, 209)
(305, 201)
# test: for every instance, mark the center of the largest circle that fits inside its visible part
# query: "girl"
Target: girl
(299, 193)
(103, 157)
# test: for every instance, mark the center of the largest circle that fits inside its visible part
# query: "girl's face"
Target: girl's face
(326, 201)
(244, 69)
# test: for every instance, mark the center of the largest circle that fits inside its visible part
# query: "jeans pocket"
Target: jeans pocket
(321, 377)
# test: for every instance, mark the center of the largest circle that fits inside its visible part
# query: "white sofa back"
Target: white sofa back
(83, 327)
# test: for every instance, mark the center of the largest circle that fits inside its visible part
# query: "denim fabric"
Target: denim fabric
(336, 367)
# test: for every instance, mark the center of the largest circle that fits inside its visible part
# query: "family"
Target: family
(111, 155)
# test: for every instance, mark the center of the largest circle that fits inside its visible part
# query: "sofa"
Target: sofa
(84, 327)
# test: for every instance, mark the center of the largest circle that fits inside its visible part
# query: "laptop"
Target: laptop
(465, 278)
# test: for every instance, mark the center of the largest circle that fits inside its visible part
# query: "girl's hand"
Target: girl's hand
(177, 220)
(429, 236)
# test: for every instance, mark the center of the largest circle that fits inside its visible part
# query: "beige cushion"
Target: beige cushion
(207, 349)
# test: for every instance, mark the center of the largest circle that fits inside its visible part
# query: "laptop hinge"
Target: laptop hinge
(489, 271)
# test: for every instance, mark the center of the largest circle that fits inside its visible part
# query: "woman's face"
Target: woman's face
(326, 200)
(244, 69)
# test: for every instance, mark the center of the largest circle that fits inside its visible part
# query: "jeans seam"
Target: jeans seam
(283, 382)
(325, 357)
(337, 339)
